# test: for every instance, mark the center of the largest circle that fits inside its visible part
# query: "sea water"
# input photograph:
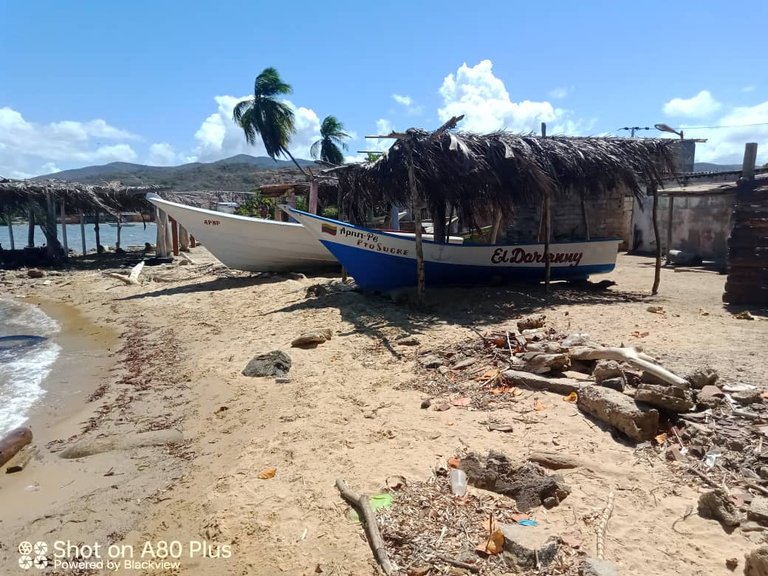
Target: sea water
(133, 234)
(27, 353)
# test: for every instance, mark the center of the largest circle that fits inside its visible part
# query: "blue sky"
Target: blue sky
(90, 82)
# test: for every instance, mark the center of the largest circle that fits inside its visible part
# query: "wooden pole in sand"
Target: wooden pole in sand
(547, 225)
(161, 249)
(174, 236)
(669, 224)
(313, 190)
(584, 217)
(14, 441)
(657, 270)
(63, 215)
(183, 239)
(10, 231)
(420, 275)
(496, 226)
(96, 232)
(31, 228)
(82, 231)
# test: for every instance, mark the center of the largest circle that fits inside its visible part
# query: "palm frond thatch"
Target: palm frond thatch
(477, 173)
(111, 197)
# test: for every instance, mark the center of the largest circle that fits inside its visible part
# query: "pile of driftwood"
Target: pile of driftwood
(713, 429)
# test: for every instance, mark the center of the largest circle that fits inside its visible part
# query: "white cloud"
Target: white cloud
(28, 148)
(726, 145)
(702, 105)
(748, 89)
(163, 154)
(482, 97)
(559, 93)
(219, 137)
(404, 100)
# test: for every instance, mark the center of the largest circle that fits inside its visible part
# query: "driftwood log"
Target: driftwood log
(535, 382)
(362, 505)
(132, 278)
(631, 356)
(14, 441)
(21, 459)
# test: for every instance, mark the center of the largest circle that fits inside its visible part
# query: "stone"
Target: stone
(426, 403)
(311, 339)
(667, 397)
(443, 370)
(732, 564)
(598, 567)
(709, 396)
(701, 377)
(525, 546)
(747, 396)
(620, 411)
(758, 510)
(716, 505)
(614, 384)
(539, 363)
(431, 361)
(275, 363)
(407, 340)
(35, 273)
(756, 562)
(531, 322)
(528, 484)
(282, 380)
(605, 369)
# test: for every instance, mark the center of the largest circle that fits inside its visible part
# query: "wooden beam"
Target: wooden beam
(657, 268)
(96, 231)
(750, 158)
(174, 236)
(496, 226)
(82, 231)
(313, 190)
(10, 231)
(669, 225)
(584, 216)
(63, 214)
(547, 236)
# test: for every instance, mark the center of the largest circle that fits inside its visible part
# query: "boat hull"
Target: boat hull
(251, 244)
(382, 262)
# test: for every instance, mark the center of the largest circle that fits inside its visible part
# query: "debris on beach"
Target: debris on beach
(311, 339)
(275, 363)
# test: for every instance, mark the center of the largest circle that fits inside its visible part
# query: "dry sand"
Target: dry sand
(181, 341)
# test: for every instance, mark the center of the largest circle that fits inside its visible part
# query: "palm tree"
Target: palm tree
(264, 115)
(331, 141)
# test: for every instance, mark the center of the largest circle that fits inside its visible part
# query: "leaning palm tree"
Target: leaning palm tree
(331, 141)
(266, 116)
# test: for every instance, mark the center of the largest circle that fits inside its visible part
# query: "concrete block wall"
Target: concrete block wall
(605, 213)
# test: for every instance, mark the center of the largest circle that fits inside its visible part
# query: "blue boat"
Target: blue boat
(381, 261)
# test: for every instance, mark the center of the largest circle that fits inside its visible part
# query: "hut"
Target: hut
(46, 201)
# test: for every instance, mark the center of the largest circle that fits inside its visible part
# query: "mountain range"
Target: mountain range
(241, 173)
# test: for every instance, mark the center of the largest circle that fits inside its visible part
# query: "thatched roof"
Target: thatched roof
(477, 173)
(110, 197)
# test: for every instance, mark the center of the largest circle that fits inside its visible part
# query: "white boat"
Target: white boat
(379, 261)
(251, 244)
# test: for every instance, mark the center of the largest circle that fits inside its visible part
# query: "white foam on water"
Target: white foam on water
(23, 369)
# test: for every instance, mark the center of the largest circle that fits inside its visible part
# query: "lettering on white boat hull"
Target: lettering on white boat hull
(522, 256)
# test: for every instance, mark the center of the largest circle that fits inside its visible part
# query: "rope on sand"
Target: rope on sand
(602, 525)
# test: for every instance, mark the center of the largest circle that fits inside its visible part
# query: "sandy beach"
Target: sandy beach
(150, 433)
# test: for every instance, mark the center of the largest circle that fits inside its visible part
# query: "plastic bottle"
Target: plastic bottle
(458, 482)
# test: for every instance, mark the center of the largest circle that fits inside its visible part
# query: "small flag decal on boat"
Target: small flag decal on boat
(329, 229)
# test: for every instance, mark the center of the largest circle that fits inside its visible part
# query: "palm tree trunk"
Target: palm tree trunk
(297, 164)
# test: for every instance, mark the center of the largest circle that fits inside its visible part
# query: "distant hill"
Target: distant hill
(709, 167)
(238, 173)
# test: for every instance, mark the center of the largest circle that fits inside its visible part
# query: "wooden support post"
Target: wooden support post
(584, 217)
(657, 272)
(547, 236)
(10, 231)
(313, 196)
(161, 219)
(63, 211)
(496, 226)
(750, 157)
(192, 241)
(183, 239)
(394, 217)
(99, 248)
(174, 236)
(51, 233)
(31, 228)
(119, 231)
(420, 274)
(669, 224)
(82, 231)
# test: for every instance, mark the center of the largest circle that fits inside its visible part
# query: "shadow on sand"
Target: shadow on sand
(379, 316)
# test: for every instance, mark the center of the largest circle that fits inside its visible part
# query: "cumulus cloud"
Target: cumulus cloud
(702, 105)
(408, 103)
(740, 125)
(163, 154)
(484, 100)
(28, 148)
(219, 137)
